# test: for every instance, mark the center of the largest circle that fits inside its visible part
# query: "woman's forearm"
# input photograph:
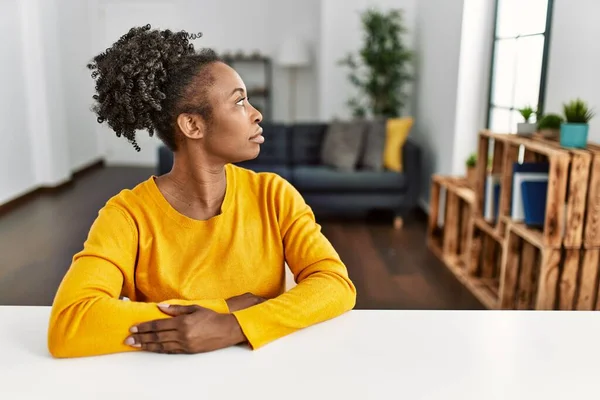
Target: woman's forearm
(100, 325)
(321, 296)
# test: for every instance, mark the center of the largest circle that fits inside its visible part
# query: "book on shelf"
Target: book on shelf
(491, 197)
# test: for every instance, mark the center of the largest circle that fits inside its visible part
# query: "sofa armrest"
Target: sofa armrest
(411, 166)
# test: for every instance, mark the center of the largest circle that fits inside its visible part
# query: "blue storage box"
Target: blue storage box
(534, 202)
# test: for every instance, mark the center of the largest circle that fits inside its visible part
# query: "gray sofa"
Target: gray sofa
(294, 152)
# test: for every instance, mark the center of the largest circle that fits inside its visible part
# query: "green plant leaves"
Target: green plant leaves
(381, 69)
(527, 112)
(472, 160)
(550, 121)
(577, 111)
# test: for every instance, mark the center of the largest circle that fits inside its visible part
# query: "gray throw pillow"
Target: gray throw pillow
(372, 155)
(342, 144)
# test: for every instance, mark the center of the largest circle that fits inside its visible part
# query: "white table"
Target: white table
(410, 355)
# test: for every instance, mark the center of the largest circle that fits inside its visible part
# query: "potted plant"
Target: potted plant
(471, 170)
(574, 131)
(549, 126)
(526, 128)
(381, 69)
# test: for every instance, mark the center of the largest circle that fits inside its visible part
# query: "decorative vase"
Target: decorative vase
(574, 135)
(526, 128)
(472, 177)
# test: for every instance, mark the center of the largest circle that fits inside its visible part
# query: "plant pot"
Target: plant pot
(472, 176)
(550, 133)
(526, 128)
(574, 135)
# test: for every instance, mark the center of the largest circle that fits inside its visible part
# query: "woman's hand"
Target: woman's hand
(193, 329)
(243, 301)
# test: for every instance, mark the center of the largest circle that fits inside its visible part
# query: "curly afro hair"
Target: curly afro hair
(144, 81)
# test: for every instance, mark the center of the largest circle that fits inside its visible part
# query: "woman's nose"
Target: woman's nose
(257, 116)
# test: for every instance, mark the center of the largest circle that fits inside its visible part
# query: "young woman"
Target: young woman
(200, 251)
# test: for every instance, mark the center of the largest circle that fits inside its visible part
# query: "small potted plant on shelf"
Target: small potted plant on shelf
(549, 126)
(574, 131)
(526, 128)
(471, 171)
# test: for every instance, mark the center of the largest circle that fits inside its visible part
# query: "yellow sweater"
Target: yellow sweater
(142, 248)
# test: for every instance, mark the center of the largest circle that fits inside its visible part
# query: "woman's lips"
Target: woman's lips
(258, 138)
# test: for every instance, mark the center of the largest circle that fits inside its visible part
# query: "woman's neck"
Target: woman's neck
(195, 189)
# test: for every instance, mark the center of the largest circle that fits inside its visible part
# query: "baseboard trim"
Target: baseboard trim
(92, 166)
(41, 190)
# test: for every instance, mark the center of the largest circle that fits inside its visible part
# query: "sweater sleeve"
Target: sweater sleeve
(87, 316)
(324, 290)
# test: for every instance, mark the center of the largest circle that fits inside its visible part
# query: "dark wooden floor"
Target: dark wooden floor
(391, 269)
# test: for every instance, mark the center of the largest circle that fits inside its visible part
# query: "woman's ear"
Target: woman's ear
(191, 125)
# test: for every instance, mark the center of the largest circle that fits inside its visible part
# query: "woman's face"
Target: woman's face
(234, 134)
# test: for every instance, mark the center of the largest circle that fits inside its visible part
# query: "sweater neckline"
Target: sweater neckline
(184, 220)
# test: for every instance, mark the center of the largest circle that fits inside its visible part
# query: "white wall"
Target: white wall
(438, 36)
(17, 174)
(342, 32)
(74, 29)
(574, 58)
(44, 128)
(473, 79)
(296, 19)
(44, 88)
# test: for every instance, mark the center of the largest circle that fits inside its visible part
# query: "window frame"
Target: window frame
(545, 57)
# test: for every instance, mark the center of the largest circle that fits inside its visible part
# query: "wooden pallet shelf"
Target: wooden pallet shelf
(450, 241)
(542, 278)
(506, 264)
(585, 189)
(485, 250)
(484, 289)
(508, 148)
(531, 235)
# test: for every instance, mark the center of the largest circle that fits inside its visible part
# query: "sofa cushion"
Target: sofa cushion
(274, 151)
(397, 131)
(372, 155)
(281, 170)
(306, 141)
(322, 178)
(342, 144)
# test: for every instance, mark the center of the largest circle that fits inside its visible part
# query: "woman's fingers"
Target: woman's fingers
(157, 325)
(164, 347)
(140, 339)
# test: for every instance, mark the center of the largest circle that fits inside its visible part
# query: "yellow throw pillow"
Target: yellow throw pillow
(397, 130)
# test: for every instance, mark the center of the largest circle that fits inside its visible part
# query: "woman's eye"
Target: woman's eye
(241, 101)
